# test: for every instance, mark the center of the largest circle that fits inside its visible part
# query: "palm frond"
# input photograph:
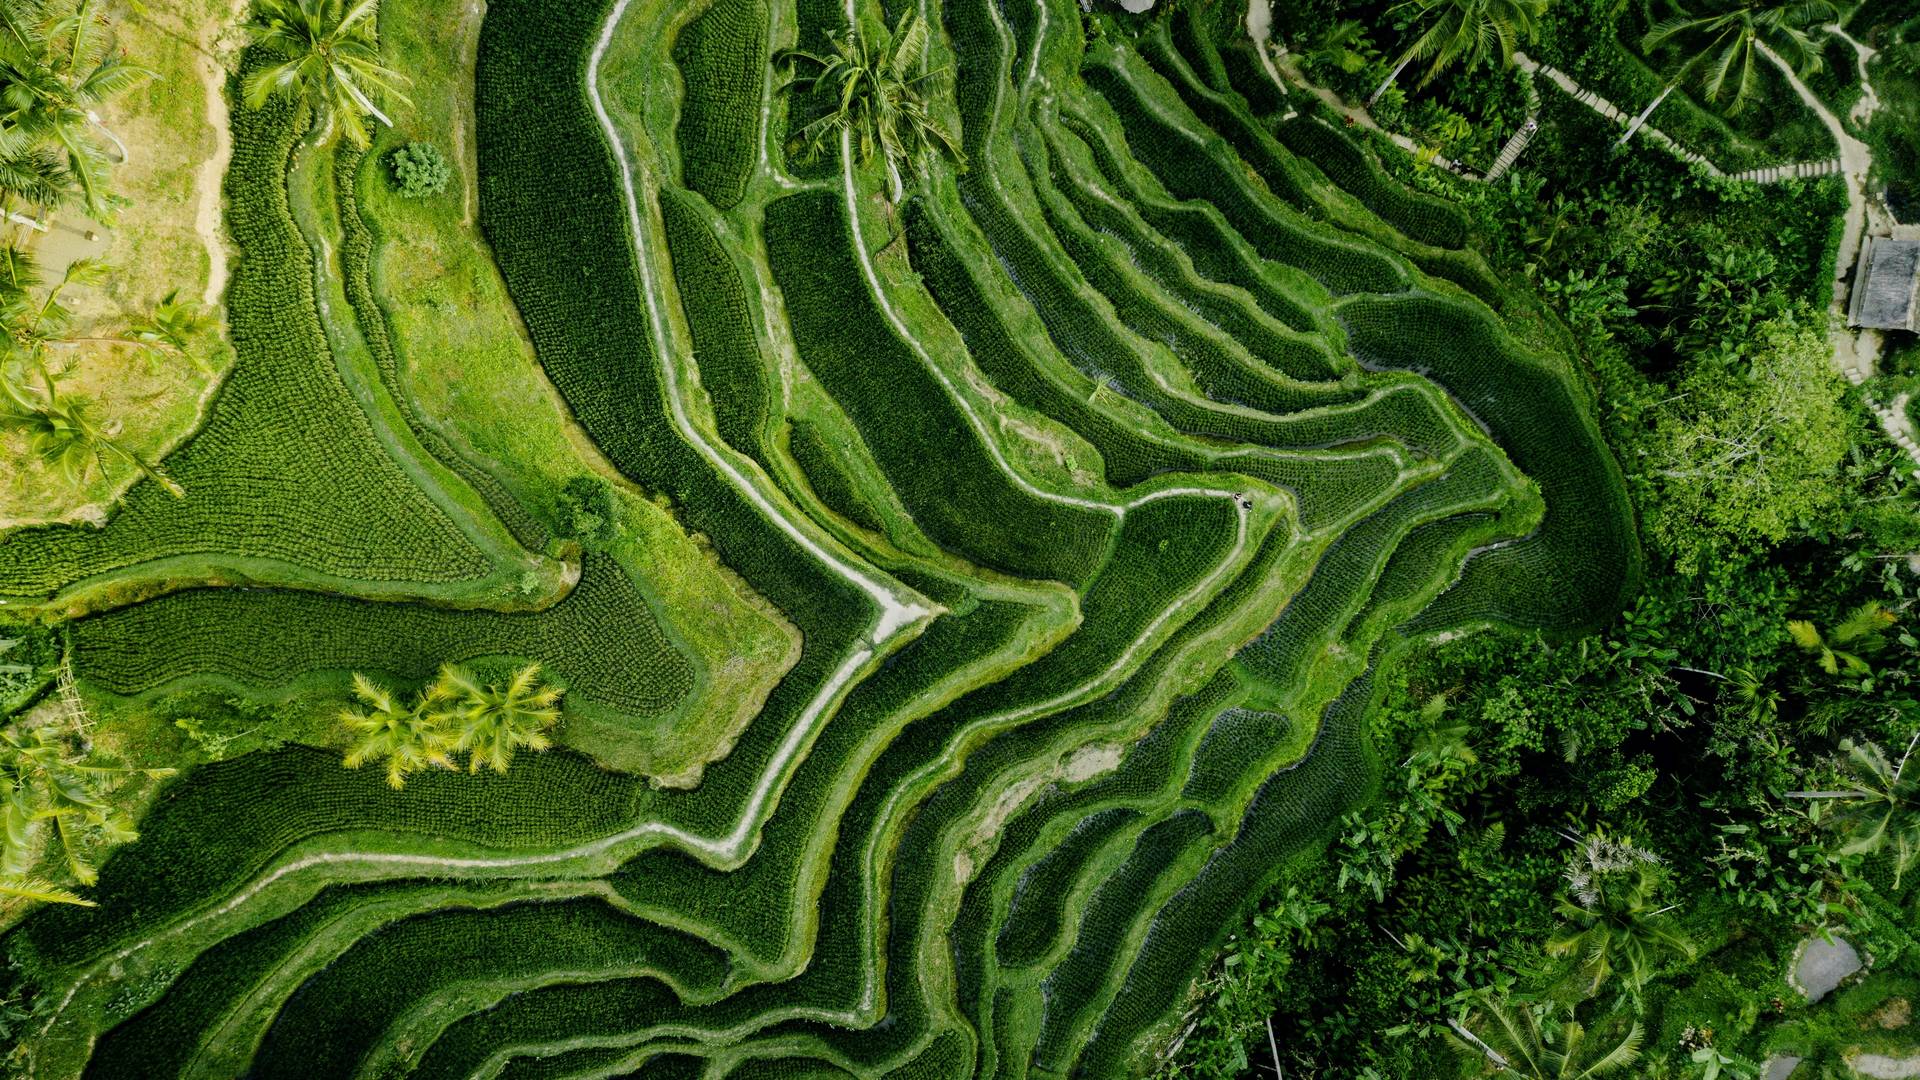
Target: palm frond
(41, 890)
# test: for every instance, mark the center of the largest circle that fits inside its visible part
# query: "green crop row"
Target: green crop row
(601, 642)
(216, 828)
(1428, 231)
(1023, 899)
(786, 1068)
(1247, 76)
(1315, 616)
(1198, 229)
(1222, 366)
(1086, 977)
(169, 1037)
(838, 963)
(1427, 560)
(1377, 207)
(725, 347)
(827, 473)
(1036, 914)
(1232, 310)
(985, 774)
(756, 905)
(1236, 737)
(286, 481)
(1194, 41)
(1423, 218)
(838, 957)
(323, 1029)
(722, 55)
(553, 209)
(760, 905)
(1162, 74)
(1582, 563)
(1013, 360)
(932, 455)
(359, 236)
(1165, 549)
(1290, 816)
(1149, 771)
(1205, 170)
(1328, 489)
(1083, 327)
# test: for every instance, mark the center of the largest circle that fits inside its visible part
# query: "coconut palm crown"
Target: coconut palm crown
(1467, 30)
(1721, 45)
(328, 53)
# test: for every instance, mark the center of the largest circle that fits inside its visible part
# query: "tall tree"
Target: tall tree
(1456, 31)
(44, 780)
(1719, 46)
(1609, 922)
(490, 722)
(64, 433)
(876, 87)
(1879, 809)
(62, 429)
(329, 56)
(407, 738)
(1539, 1042)
(55, 71)
(1749, 445)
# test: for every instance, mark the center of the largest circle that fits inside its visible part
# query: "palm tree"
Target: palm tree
(1847, 645)
(408, 739)
(1721, 44)
(877, 87)
(329, 55)
(63, 433)
(41, 779)
(494, 722)
(1466, 30)
(1880, 810)
(61, 428)
(57, 70)
(1536, 1042)
(1608, 919)
(177, 326)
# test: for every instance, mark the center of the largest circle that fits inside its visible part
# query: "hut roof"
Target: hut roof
(1884, 284)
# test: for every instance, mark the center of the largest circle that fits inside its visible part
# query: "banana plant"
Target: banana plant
(877, 90)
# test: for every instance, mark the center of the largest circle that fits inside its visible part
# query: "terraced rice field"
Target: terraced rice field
(1065, 512)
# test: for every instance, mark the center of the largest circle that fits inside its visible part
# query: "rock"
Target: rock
(1780, 1068)
(1882, 1067)
(1824, 965)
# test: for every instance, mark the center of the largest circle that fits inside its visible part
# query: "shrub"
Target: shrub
(419, 169)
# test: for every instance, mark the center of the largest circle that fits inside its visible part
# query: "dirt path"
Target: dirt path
(208, 218)
(464, 150)
(1869, 101)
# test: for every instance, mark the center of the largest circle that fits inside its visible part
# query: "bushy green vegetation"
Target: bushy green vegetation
(419, 170)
